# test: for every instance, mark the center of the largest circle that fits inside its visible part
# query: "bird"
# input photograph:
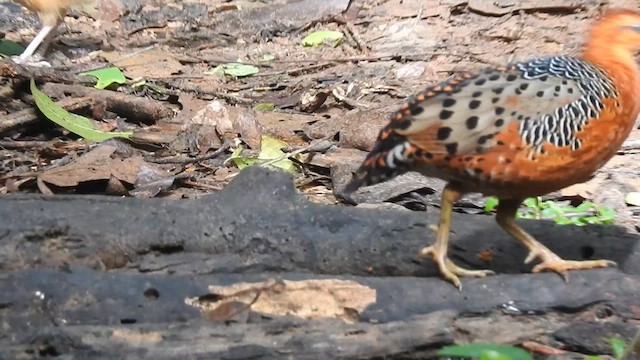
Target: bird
(524, 129)
(51, 14)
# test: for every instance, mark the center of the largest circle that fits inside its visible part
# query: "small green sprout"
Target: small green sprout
(584, 214)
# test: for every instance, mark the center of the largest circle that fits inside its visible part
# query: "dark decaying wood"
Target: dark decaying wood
(100, 277)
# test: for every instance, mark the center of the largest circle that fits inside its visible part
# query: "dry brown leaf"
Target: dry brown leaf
(201, 127)
(246, 124)
(150, 64)
(116, 187)
(209, 122)
(151, 181)
(583, 190)
(308, 299)
(95, 165)
(338, 157)
(190, 107)
(285, 126)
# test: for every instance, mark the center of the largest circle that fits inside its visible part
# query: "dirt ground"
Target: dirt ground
(326, 103)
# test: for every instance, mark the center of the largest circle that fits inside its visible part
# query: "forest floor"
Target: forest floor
(313, 110)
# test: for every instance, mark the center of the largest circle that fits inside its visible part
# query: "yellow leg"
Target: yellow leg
(550, 261)
(438, 251)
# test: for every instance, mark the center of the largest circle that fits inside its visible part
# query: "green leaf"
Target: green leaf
(240, 161)
(481, 351)
(317, 38)
(10, 48)
(77, 124)
(264, 106)
(633, 198)
(534, 209)
(270, 149)
(490, 204)
(493, 355)
(551, 213)
(606, 214)
(527, 215)
(585, 206)
(234, 69)
(592, 219)
(553, 206)
(531, 203)
(617, 345)
(592, 357)
(561, 220)
(107, 77)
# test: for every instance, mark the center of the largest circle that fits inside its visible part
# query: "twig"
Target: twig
(197, 184)
(352, 36)
(105, 65)
(10, 69)
(182, 160)
(135, 53)
(298, 71)
(178, 84)
(13, 145)
(573, 214)
(318, 146)
(341, 96)
(418, 17)
(542, 349)
(134, 108)
(145, 27)
(410, 57)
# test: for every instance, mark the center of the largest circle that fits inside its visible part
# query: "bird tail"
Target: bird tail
(387, 160)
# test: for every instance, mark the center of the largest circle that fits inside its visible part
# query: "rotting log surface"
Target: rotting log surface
(96, 258)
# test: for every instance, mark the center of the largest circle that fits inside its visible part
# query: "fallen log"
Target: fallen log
(92, 314)
(259, 223)
(103, 277)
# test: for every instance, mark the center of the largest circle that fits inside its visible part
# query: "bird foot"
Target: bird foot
(34, 61)
(448, 269)
(552, 262)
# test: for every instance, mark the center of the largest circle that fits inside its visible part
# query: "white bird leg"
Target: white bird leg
(33, 46)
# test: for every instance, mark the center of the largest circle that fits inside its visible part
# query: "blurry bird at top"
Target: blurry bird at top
(51, 14)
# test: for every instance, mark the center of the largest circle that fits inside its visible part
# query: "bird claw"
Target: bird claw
(449, 270)
(532, 256)
(30, 61)
(552, 262)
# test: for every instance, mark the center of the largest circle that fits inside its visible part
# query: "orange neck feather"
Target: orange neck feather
(613, 54)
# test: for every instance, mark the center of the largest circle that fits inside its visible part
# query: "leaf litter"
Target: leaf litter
(187, 129)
